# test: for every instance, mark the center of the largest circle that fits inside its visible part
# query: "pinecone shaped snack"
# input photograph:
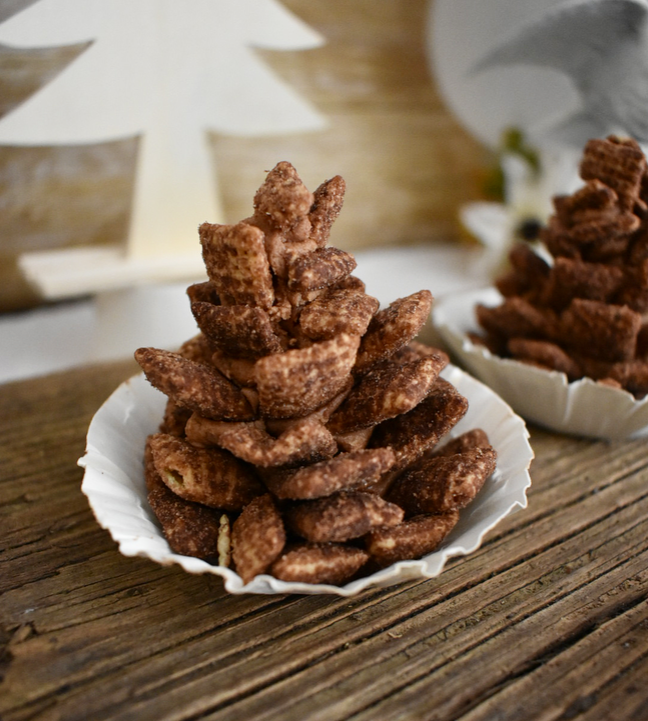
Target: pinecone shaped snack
(301, 426)
(584, 310)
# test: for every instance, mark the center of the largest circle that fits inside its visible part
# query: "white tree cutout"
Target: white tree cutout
(168, 71)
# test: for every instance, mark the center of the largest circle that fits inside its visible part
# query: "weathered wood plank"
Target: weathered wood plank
(173, 661)
(624, 698)
(458, 683)
(582, 674)
(432, 638)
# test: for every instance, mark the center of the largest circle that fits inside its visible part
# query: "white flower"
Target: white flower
(527, 205)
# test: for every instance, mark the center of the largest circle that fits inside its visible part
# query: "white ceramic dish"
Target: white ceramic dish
(114, 485)
(582, 408)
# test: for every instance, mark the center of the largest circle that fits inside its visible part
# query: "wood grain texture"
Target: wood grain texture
(407, 163)
(548, 619)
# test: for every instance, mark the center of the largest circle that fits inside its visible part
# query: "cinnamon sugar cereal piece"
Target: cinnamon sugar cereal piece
(237, 264)
(327, 204)
(442, 483)
(345, 470)
(528, 263)
(618, 163)
(592, 367)
(416, 349)
(632, 375)
(282, 205)
(342, 516)
(306, 441)
(595, 231)
(203, 293)
(193, 385)
(558, 240)
(638, 250)
(642, 342)
(281, 252)
(349, 283)
(175, 419)
(613, 229)
(474, 438)
(332, 563)
(592, 199)
(151, 476)
(545, 354)
(337, 311)
(284, 202)
(295, 383)
(277, 426)
(607, 332)
(412, 434)
(610, 383)
(386, 392)
(592, 221)
(237, 330)
(528, 274)
(634, 292)
(320, 269)
(411, 539)
(197, 349)
(392, 328)
(516, 317)
(510, 284)
(212, 477)
(189, 528)
(413, 351)
(238, 370)
(495, 344)
(572, 278)
(354, 441)
(258, 537)
(607, 249)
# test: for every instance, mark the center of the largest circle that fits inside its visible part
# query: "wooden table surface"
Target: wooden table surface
(547, 620)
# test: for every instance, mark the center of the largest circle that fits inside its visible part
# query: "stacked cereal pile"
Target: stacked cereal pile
(301, 416)
(585, 314)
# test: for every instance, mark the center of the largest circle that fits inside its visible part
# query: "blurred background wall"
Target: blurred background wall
(407, 162)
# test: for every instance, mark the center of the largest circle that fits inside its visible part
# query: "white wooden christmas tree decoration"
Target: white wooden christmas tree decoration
(167, 71)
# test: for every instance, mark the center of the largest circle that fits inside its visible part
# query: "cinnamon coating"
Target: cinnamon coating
(345, 470)
(212, 476)
(393, 328)
(258, 537)
(342, 516)
(333, 563)
(193, 385)
(443, 483)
